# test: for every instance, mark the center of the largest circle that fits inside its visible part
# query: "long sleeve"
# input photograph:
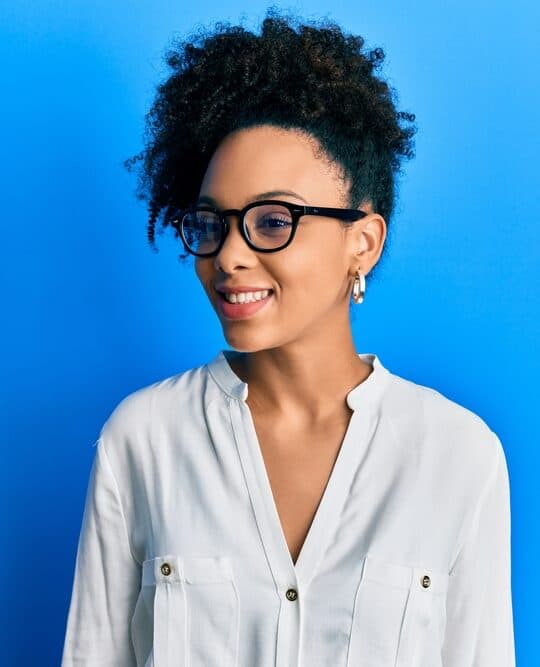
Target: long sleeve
(479, 631)
(106, 580)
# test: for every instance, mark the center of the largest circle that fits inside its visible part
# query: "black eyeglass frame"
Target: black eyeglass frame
(296, 211)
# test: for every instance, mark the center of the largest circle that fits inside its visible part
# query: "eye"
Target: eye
(274, 222)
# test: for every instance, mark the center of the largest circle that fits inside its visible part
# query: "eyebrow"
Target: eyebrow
(206, 199)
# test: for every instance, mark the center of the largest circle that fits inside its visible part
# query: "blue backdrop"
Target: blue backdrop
(91, 313)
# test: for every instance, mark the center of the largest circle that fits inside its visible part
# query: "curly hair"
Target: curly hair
(295, 75)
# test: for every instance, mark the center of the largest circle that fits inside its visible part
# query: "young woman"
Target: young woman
(292, 502)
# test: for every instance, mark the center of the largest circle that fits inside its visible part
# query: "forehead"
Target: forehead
(268, 194)
(265, 162)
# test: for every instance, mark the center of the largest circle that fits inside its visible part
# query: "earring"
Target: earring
(359, 288)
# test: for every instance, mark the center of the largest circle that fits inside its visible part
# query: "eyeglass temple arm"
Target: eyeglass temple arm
(342, 213)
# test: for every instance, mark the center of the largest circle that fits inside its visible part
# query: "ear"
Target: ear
(365, 243)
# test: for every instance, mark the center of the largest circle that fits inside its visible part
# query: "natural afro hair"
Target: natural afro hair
(295, 75)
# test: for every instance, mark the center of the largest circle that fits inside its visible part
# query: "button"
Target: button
(166, 569)
(291, 594)
(425, 581)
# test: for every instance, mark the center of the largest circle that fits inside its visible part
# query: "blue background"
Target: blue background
(91, 313)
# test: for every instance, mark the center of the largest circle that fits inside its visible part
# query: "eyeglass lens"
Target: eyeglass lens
(268, 226)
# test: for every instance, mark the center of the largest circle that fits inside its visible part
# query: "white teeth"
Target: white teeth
(247, 297)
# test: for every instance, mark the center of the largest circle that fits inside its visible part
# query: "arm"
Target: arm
(106, 580)
(479, 631)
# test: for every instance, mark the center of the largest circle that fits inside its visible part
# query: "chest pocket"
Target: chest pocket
(193, 611)
(398, 617)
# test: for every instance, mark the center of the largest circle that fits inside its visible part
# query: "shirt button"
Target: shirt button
(291, 594)
(165, 569)
(425, 581)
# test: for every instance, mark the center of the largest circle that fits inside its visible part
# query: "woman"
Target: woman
(291, 502)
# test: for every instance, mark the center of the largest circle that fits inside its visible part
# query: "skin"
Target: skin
(300, 359)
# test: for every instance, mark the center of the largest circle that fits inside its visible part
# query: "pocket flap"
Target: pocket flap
(162, 569)
(207, 570)
(171, 568)
(404, 576)
(430, 580)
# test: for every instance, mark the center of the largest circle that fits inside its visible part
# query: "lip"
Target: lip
(237, 311)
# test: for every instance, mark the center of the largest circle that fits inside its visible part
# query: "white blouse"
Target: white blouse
(182, 559)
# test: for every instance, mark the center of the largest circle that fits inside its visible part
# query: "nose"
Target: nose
(234, 235)
(234, 250)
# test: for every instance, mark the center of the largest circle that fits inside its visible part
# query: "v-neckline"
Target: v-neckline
(362, 399)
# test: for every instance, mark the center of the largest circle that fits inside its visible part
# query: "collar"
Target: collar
(367, 392)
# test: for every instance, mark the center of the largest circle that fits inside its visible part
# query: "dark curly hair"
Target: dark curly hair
(299, 75)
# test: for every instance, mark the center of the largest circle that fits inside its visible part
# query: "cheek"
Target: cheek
(299, 263)
(315, 273)
(306, 293)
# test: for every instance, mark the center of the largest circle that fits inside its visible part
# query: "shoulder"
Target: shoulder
(454, 434)
(136, 417)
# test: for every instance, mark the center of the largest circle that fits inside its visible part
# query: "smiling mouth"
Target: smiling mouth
(223, 295)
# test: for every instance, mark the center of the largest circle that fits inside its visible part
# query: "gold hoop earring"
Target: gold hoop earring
(359, 288)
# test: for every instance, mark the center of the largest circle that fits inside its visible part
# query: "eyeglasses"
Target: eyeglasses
(266, 226)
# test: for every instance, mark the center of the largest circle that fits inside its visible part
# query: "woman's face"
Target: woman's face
(311, 278)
